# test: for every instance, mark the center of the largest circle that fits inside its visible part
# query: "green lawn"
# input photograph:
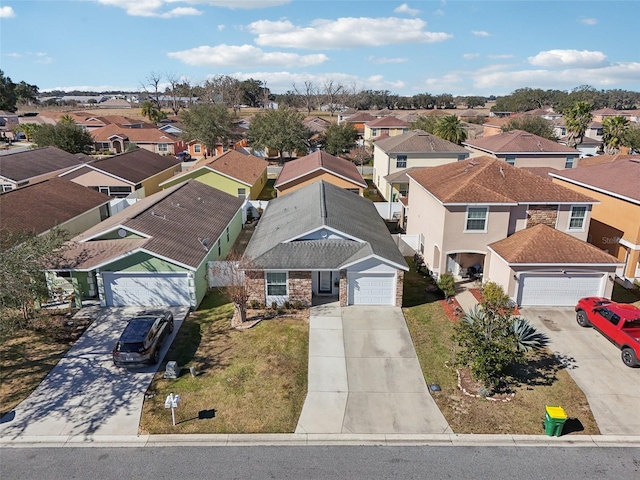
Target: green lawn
(255, 380)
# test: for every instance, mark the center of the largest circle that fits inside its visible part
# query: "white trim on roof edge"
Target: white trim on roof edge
(326, 170)
(596, 189)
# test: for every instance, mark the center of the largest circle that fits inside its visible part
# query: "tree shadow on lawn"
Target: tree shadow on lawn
(539, 370)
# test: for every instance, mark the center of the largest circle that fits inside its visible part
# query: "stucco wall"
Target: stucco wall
(316, 177)
(82, 222)
(92, 178)
(152, 184)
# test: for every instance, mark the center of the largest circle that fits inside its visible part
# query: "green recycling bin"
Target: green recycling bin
(554, 420)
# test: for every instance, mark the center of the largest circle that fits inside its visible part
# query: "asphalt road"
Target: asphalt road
(340, 462)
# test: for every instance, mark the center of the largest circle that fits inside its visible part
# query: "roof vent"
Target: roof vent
(473, 163)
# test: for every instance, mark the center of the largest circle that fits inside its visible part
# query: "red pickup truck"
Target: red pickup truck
(618, 322)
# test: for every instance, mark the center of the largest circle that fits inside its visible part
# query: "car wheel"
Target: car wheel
(156, 356)
(581, 318)
(171, 325)
(629, 357)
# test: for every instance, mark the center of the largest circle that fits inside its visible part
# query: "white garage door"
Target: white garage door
(372, 289)
(128, 289)
(561, 290)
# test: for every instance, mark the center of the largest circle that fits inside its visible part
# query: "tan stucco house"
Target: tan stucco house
(459, 209)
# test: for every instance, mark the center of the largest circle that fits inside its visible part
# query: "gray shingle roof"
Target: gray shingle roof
(40, 161)
(418, 141)
(321, 204)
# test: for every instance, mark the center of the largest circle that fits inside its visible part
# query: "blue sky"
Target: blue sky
(460, 47)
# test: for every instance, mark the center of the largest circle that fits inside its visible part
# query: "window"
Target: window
(353, 190)
(462, 156)
(5, 187)
(422, 243)
(227, 234)
(242, 193)
(374, 132)
(401, 161)
(219, 248)
(568, 163)
(163, 147)
(476, 219)
(577, 218)
(197, 148)
(276, 283)
(510, 159)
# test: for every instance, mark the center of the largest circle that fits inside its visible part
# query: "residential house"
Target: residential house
(138, 172)
(383, 127)
(394, 155)
(459, 209)
(114, 103)
(156, 252)
(316, 166)
(39, 207)
(322, 240)
(358, 121)
(117, 139)
(240, 175)
(32, 166)
(615, 220)
(524, 149)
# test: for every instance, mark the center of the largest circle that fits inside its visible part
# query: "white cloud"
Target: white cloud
(242, 4)
(568, 58)
(588, 21)
(43, 60)
(344, 33)
(443, 84)
(438, 12)
(481, 33)
(470, 56)
(500, 56)
(155, 8)
(7, 12)
(244, 56)
(221, 28)
(180, 12)
(405, 8)
(13, 55)
(385, 60)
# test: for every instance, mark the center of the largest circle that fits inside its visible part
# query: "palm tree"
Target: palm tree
(614, 130)
(450, 129)
(577, 120)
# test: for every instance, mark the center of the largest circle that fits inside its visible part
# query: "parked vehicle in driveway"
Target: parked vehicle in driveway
(618, 322)
(183, 156)
(142, 339)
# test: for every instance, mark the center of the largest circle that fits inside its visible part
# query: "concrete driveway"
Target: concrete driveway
(364, 375)
(612, 389)
(84, 394)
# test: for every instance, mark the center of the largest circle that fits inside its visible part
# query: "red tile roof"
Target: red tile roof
(319, 161)
(490, 180)
(418, 141)
(388, 121)
(245, 168)
(518, 141)
(546, 245)
(135, 135)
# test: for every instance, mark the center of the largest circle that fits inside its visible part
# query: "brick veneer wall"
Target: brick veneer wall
(254, 281)
(399, 288)
(300, 289)
(545, 214)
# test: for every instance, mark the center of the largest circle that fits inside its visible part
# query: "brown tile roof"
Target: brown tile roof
(518, 141)
(134, 166)
(388, 121)
(140, 135)
(490, 180)
(245, 168)
(39, 207)
(541, 171)
(22, 166)
(401, 176)
(360, 117)
(418, 141)
(317, 162)
(542, 244)
(88, 255)
(620, 177)
(598, 159)
(177, 221)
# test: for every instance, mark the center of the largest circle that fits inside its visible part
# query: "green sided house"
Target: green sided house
(156, 251)
(235, 173)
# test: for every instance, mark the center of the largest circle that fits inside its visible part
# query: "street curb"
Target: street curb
(308, 439)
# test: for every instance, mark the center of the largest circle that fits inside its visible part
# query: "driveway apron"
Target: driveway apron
(364, 375)
(612, 389)
(85, 394)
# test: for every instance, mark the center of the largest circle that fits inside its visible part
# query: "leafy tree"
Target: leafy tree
(474, 101)
(8, 97)
(533, 124)
(149, 110)
(614, 131)
(66, 135)
(426, 123)
(282, 130)
(27, 128)
(23, 257)
(492, 340)
(577, 120)
(340, 139)
(633, 139)
(209, 123)
(450, 129)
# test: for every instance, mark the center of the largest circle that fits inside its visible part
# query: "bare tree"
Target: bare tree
(230, 275)
(331, 93)
(173, 91)
(153, 82)
(308, 94)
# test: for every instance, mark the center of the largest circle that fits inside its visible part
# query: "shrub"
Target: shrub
(255, 304)
(447, 284)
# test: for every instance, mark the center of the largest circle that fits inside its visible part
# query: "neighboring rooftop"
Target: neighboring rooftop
(388, 121)
(22, 166)
(318, 162)
(518, 141)
(491, 180)
(418, 141)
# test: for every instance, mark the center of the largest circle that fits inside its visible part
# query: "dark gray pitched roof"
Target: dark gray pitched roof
(135, 166)
(321, 204)
(22, 166)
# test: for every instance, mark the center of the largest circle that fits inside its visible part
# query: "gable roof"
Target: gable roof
(388, 121)
(518, 141)
(22, 166)
(176, 222)
(620, 178)
(418, 141)
(245, 168)
(143, 135)
(489, 180)
(134, 166)
(39, 207)
(597, 159)
(360, 117)
(319, 161)
(542, 244)
(274, 243)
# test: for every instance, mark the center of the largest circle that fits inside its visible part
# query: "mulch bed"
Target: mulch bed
(477, 293)
(471, 387)
(452, 308)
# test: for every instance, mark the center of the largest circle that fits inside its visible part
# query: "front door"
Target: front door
(324, 282)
